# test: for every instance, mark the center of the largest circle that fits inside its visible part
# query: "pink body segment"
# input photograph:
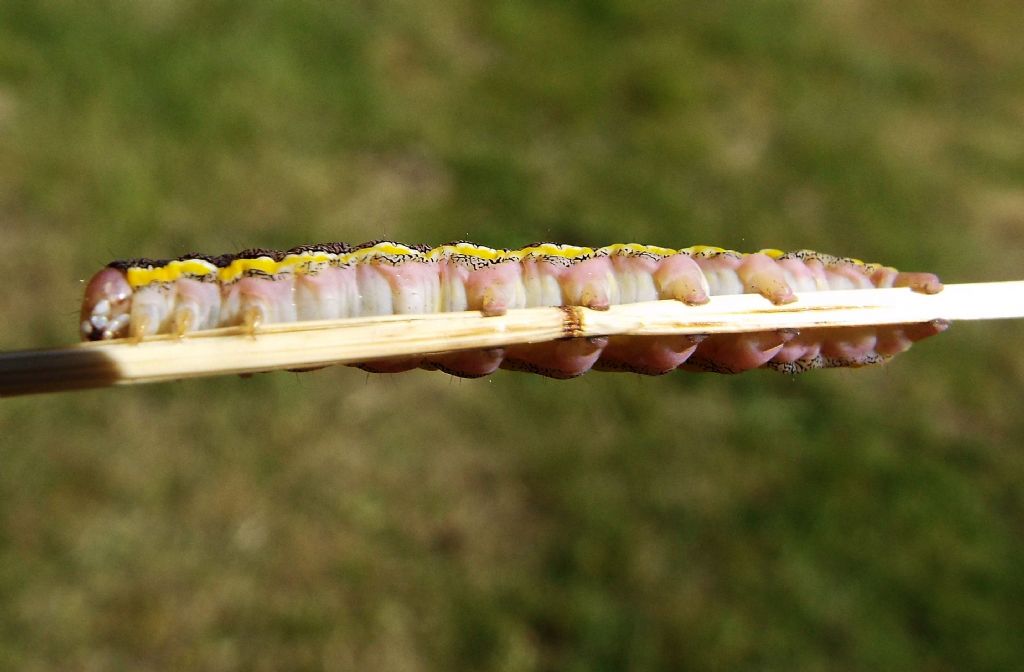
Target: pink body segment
(493, 290)
(143, 298)
(257, 300)
(647, 355)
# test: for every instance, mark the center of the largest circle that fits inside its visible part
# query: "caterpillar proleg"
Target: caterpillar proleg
(143, 297)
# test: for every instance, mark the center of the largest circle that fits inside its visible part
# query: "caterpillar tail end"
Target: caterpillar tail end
(106, 307)
(924, 283)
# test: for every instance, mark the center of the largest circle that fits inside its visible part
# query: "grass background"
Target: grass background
(866, 519)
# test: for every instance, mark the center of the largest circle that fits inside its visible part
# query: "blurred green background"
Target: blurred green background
(868, 519)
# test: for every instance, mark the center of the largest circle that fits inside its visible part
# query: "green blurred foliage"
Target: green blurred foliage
(866, 519)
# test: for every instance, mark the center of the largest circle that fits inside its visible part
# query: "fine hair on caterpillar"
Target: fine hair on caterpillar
(143, 297)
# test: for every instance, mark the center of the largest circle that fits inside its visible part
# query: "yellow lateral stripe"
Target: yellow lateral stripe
(466, 249)
(384, 248)
(137, 277)
(637, 248)
(554, 250)
(307, 258)
(700, 249)
(299, 263)
(239, 267)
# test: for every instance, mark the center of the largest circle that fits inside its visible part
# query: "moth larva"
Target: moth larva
(142, 297)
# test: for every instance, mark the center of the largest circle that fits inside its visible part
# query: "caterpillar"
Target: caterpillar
(142, 297)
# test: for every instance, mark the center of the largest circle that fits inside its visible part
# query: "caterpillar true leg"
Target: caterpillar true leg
(152, 310)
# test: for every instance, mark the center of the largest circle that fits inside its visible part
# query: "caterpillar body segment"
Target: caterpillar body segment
(139, 298)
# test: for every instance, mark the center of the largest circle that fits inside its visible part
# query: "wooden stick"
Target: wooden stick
(313, 344)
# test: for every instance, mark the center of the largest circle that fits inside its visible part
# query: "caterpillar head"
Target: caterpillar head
(106, 307)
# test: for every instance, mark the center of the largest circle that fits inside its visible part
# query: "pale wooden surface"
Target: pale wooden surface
(311, 344)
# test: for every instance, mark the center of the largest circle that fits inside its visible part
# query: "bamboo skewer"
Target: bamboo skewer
(312, 344)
